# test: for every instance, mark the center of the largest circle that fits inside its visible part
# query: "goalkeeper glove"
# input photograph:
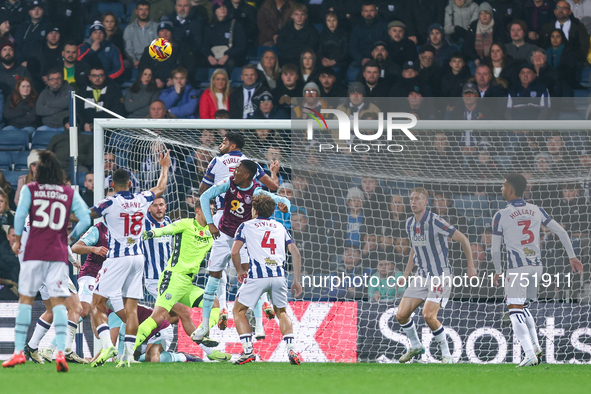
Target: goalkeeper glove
(148, 235)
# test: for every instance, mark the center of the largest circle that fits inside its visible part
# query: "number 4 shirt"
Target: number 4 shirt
(519, 225)
(124, 216)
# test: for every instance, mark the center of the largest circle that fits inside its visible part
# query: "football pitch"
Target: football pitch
(306, 378)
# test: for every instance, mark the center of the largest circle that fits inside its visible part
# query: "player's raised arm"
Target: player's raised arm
(296, 259)
(171, 229)
(163, 180)
(465, 242)
(20, 216)
(205, 198)
(272, 182)
(277, 198)
(557, 229)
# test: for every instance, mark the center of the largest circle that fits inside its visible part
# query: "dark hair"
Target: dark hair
(290, 67)
(142, 2)
(49, 171)
(121, 177)
(55, 70)
(371, 63)
(250, 166)
(517, 182)
(16, 98)
(264, 205)
(97, 66)
(521, 24)
(69, 42)
(249, 66)
(236, 138)
(4, 184)
(564, 40)
(110, 13)
(135, 88)
(221, 114)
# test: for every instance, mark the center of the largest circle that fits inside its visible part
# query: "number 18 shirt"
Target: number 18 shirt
(519, 224)
(124, 215)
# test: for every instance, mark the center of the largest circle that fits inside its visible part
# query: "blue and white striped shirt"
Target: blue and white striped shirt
(156, 250)
(428, 238)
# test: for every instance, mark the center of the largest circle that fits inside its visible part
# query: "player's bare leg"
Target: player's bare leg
(286, 329)
(243, 328)
(430, 311)
(41, 328)
(184, 314)
(221, 294)
(100, 320)
(520, 328)
(405, 309)
(23, 320)
(131, 326)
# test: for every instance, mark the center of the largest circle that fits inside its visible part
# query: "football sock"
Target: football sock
(440, 337)
(171, 357)
(60, 323)
(531, 326)
(121, 340)
(214, 317)
(246, 341)
(411, 332)
(288, 339)
(72, 328)
(144, 331)
(129, 342)
(521, 332)
(41, 329)
(23, 320)
(208, 298)
(206, 349)
(104, 335)
(258, 312)
(222, 290)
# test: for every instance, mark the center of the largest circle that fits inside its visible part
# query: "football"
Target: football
(160, 49)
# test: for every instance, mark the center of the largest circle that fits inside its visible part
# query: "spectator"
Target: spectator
(188, 24)
(311, 93)
(102, 91)
(529, 99)
(14, 12)
(88, 193)
(158, 9)
(469, 109)
(442, 155)
(113, 33)
(288, 86)
(246, 14)
(563, 59)
(54, 101)
(139, 33)
(7, 188)
(380, 287)
(388, 70)
(333, 43)
(296, 36)
(158, 111)
(101, 51)
(488, 85)
(5, 25)
(111, 166)
(374, 85)
(437, 40)
(31, 176)
(354, 219)
(329, 86)
(60, 146)
(10, 72)
(502, 65)
(268, 69)
(396, 219)
(272, 16)
(285, 190)
(349, 265)
(262, 139)
(241, 99)
(224, 43)
(181, 57)
(215, 97)
(414, 104)
(456, 76)
(481, 34)
(312, 255)
(430, 74)
(518, 49)
(181, 99)
(45, 56)
(68, 17)
(308, 66)
(75, 73)
(536, 14)
(9, 266)
(582, 11)
(547, 76)
(562, 160)
(421, 15)
(142, 93)
(410, 81)
(459, 15)
(574, 31)
(19, 110)
(506, 11)
(365, 32)
(400, 48)
(265, 109)
(356, 104)
(6, 215)
(31, 34)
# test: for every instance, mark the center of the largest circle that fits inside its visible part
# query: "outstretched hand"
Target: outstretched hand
(165, 159)
(576, 265)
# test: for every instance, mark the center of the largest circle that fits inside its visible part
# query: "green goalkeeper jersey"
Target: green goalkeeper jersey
(191, 244)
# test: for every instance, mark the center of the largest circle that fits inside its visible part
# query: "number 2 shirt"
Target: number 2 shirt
(124, 215)
(519, 225)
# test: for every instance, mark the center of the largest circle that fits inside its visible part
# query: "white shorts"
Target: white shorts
(521, 284)
(121, 276)
(220, 255)
(163, 337)
(45, 293)
(152, 287)
(53, 274)
(86, 286)
(250, 292)
(433, 288)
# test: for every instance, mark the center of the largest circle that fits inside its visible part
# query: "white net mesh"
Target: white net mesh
(348, 216)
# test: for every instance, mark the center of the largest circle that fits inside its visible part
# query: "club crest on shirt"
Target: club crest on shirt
(130, 241)
(271, 262)
(529, 252)
(168, 296)
(248, 199)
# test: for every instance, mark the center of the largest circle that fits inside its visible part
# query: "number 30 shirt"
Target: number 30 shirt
(519, 224)
(124, 215)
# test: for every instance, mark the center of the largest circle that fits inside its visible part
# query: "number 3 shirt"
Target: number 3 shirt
(519, 225)
(124, 215)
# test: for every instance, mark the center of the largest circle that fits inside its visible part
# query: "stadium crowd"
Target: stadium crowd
(238, 59)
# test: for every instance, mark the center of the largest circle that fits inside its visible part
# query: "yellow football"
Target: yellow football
(160, 49)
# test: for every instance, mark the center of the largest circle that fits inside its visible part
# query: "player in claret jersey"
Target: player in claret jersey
(239, 191)
(518, 226)
(266, 241)
(48, 202)
(123, 269)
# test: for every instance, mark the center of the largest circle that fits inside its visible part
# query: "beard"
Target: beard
(8, 60)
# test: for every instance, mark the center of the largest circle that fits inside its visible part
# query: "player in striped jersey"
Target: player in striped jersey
(266, 243)
(518, 226)
(428, 233)
(156, 251)
(220, 168)
(123, 269)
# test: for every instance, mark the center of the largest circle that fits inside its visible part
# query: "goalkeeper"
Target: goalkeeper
(191, 242)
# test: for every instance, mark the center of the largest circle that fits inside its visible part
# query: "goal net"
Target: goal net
(350, 200)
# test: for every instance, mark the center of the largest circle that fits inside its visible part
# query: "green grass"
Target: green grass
(306, 378)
